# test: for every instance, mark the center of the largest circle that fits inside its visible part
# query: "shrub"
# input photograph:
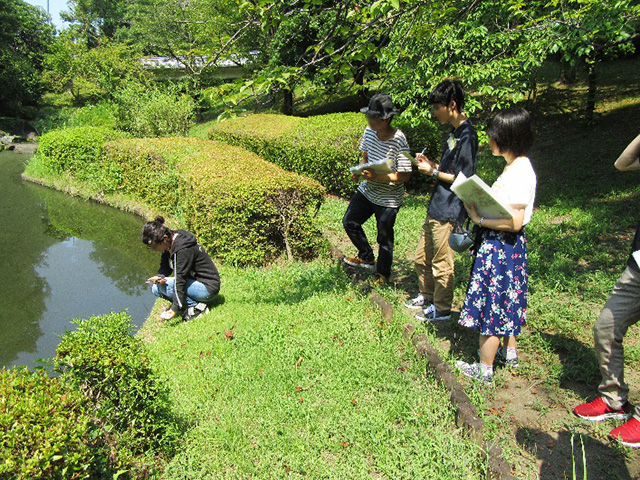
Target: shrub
(46, 429)
(322, 147)
(150, 174)
(243, 209)
(77, 152)
(150, 112)
(111, 368)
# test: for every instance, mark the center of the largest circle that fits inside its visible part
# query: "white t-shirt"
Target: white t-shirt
(517, 186)
(386, 194)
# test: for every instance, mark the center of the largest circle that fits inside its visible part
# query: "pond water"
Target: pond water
(63, 258)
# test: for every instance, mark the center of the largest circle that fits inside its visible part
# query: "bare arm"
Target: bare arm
(399, 177)
(446, 177)
(513, 224)
(386, 177)
(429, 167)
(630, 158)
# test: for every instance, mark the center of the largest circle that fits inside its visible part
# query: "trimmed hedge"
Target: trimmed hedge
(107, 414)
(322, 147)
(243, 209)
(46, 429)
(77, 151)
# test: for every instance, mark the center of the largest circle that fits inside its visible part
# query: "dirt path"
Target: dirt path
(533, 420)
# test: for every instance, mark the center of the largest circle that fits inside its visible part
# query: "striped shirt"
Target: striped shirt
(385, 194)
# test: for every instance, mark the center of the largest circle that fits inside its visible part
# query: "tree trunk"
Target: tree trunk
(569, 74)
(359, 80)
(591, 92)
(287, 247)
(287, 106)
(533, 92)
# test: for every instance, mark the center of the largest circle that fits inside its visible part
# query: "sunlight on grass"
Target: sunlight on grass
(296, 375)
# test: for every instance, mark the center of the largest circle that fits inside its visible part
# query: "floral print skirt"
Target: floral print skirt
(496, 299)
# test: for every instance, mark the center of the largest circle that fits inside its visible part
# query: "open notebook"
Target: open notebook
(382, 166)
(474, 189)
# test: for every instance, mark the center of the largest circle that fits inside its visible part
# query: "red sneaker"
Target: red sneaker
(598, 411)
(627, 434)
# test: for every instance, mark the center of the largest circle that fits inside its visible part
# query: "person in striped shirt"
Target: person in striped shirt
(378, 194)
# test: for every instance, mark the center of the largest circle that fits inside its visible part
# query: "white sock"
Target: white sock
(511, 354)
(486, 369)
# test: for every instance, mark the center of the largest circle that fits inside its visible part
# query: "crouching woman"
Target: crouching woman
(195, 281)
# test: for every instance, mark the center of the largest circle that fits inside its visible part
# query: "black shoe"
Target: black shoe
(193, 312)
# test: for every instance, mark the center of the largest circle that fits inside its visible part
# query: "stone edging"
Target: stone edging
(466, 413)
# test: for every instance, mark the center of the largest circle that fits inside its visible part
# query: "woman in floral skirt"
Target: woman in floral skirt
(496, 298)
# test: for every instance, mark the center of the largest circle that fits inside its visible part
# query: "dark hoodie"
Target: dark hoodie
(189, 261)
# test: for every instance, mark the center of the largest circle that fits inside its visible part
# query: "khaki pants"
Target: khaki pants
(620, 312)
(434, 263)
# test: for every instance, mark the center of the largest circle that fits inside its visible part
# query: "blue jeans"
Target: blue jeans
(196, 291)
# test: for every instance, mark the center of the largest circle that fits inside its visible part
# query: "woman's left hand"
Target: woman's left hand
(167, 315)
(472, 212)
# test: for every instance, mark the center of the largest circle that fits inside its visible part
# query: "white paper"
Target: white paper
(382, 167)
(474, 189)
(409, 157)
(636, 256)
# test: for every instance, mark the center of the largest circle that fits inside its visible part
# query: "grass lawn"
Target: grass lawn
(294, 374)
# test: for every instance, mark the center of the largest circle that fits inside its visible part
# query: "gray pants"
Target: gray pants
(620, 312)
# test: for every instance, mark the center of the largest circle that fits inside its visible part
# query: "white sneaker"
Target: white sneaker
(473, 370)
(415, 303)
(202, 307)
(431, 314)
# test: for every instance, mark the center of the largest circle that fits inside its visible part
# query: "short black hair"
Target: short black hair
(155, 231)
(446, 91)
(512, 130)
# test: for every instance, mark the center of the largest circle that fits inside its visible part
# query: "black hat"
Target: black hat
(380, 106)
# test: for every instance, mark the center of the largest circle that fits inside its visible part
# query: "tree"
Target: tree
(95, 19)
(320, 41)
(91, 74)
(488, 45)
(589, 31)
(26, 34)
(196, 33)
(289, 35)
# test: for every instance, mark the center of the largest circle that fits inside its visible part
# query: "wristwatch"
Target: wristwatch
(480, 222)
(435, 173)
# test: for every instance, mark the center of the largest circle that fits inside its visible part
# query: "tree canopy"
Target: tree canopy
(26, 35)
(401, 46)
